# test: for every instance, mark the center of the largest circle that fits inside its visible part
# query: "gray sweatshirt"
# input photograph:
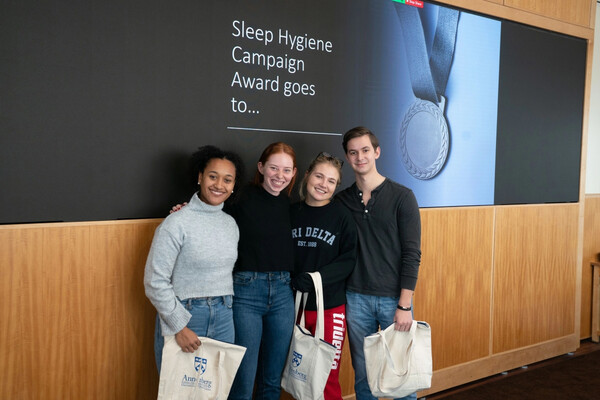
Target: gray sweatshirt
(192, 255)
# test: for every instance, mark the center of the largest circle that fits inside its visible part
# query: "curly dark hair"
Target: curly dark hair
(202, 157)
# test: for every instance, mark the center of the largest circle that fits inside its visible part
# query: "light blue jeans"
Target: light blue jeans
(364, 315)
(212, 317)
(263, 313)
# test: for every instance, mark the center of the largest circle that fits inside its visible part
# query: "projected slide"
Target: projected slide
(103, 105)
(425, 80)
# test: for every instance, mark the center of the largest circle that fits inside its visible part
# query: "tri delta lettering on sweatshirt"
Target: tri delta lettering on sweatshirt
(325, 240)
(312, 233)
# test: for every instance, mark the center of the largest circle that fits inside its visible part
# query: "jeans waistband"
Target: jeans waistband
(206, 300)
(266, 275)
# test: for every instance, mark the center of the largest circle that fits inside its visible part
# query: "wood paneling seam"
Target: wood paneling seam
(492, 274)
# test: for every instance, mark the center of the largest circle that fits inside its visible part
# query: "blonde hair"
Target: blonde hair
(321, 158)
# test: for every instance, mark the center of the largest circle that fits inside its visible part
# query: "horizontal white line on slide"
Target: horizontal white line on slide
(240, 128)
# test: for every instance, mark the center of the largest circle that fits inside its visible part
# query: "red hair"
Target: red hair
(275, 148)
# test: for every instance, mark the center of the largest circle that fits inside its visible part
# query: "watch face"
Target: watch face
(424, 139)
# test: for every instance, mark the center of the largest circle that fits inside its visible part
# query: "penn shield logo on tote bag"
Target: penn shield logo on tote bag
(295, 362)
(200, 365)
(297, 359)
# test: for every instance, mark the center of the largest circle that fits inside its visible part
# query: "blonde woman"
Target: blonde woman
(325, 240)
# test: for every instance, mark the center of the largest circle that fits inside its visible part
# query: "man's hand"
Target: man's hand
(403, 320)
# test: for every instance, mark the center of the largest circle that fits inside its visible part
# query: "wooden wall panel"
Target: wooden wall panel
(119, 252)
(106, 260)
(534, 274)
(576, 12)
(66, 287)
(21, 312)
(453, 293)
(546, 19)
(73, 303)
(346, 371)
(591, 252)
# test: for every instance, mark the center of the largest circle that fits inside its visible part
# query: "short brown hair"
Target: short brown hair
(358, 132)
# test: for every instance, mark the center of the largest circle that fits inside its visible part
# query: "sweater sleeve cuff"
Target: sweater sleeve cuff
(176, 321)
(408, 282)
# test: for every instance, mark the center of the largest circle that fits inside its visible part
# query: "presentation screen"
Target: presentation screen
(103, 105)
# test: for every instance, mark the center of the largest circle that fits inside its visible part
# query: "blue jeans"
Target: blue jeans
(212, 317)
(365, 314)
(263, 313)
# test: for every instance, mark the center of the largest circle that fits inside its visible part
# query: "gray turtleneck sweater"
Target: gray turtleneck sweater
(192, 255)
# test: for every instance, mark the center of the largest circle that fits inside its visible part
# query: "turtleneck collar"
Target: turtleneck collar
(196, 204)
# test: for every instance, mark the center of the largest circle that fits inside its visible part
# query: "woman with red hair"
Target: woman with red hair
(263, 306)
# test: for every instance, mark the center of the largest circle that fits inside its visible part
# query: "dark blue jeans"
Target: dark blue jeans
(263, 314)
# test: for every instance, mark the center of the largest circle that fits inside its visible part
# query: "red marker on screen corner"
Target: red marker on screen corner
(414, 3)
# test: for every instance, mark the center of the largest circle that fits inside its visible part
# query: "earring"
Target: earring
(232, 191)
(198, 183)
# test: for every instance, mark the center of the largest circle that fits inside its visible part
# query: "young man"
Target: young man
(380, 289)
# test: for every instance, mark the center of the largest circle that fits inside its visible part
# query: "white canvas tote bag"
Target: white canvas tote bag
(206, 374)
(310, 357)
(399, 363)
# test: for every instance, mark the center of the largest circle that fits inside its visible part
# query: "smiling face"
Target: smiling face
(277, 172)
(216, 181)
(361, 155)
(321, 184)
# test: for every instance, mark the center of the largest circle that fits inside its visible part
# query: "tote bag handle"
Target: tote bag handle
(301, 298)
(320, 327)
(402, 354)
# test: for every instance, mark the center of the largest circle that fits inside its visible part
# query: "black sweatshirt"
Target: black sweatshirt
(325, 240)
(265, 240)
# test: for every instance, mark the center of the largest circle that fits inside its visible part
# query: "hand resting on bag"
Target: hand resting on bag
(187, 340)
(403, 320)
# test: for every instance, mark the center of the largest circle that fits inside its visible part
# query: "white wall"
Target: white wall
(592, 182)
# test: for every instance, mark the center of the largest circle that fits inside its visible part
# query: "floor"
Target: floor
(586, 346)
